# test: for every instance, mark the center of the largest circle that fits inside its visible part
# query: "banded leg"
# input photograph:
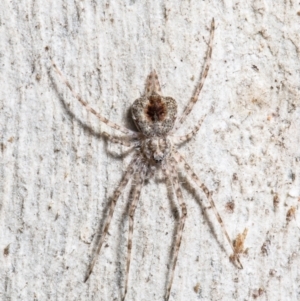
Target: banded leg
(139, 180)
(180, 159)
(125, 141)
(195, 97)
(90, 109)
(152, 84)
(172, 174)
(132, 167)
(184, 138)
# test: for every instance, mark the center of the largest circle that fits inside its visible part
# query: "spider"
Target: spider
(155, 117)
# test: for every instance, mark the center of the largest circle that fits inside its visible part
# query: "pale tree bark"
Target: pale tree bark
(58, 173)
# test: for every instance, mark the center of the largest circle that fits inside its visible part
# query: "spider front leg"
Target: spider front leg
(90, 109)
(138, 184)
(199, 87)
(180, 159)
(172, 175)
(130, 171)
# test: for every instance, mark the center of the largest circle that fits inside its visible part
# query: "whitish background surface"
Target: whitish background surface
(57, 172)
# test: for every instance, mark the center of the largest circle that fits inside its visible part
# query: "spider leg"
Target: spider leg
(180, 159)
(172, 175)
(184, 138)
(194, 98)
(152, 84)
(125, 141)
(132, 167)
(86, 105)
(139, 180)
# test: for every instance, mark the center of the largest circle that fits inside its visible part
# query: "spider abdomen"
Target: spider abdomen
(154, 115)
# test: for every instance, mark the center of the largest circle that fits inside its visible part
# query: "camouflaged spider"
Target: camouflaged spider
(156, 119)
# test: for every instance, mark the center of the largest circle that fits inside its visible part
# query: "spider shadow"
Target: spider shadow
(123, 239)
(88, 129)
(176, 215)
(188, 186)
(119, 238)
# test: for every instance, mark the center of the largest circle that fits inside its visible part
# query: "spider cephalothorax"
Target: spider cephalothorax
(155, 145)
(156, 149)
